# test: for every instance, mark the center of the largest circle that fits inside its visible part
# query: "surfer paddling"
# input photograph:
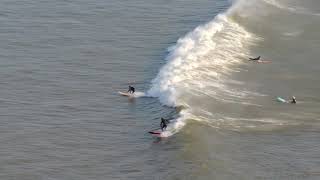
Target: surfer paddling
(258, 60)
(131, 90)
(255, 59)
(293, 100)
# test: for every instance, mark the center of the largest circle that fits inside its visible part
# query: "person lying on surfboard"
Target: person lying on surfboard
(131, 90)
(293, 101)
(255, 59)
(258, 60)
(163, 123)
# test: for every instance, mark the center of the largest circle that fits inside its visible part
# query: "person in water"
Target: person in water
(131, 90)
(293, 101)
(163, 123)
(255, 59)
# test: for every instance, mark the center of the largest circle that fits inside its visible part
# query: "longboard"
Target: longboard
(126, 94)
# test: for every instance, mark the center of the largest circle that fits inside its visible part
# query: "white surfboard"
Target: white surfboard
(125, 94)
(136, 94)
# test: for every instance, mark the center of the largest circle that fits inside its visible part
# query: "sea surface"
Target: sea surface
(63, 62)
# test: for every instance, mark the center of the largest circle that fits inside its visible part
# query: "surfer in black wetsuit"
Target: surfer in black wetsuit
(293, 101)
(163, 123)
(255, 59)
(131, 90)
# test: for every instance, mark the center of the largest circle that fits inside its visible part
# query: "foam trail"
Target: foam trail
(199, 61)
(138, 94)
(297, 10)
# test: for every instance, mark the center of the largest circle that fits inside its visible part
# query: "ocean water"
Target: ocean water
(63, 63)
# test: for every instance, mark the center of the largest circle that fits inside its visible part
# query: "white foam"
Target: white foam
(293, 33)
(199, 61)
(176, 125)
(138, 94)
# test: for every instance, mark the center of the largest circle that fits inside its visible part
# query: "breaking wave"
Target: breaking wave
(199, 64)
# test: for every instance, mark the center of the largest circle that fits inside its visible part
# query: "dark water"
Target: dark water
(63, 62)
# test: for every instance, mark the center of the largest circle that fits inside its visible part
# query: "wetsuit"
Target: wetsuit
(163, 124)
(131, 90)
